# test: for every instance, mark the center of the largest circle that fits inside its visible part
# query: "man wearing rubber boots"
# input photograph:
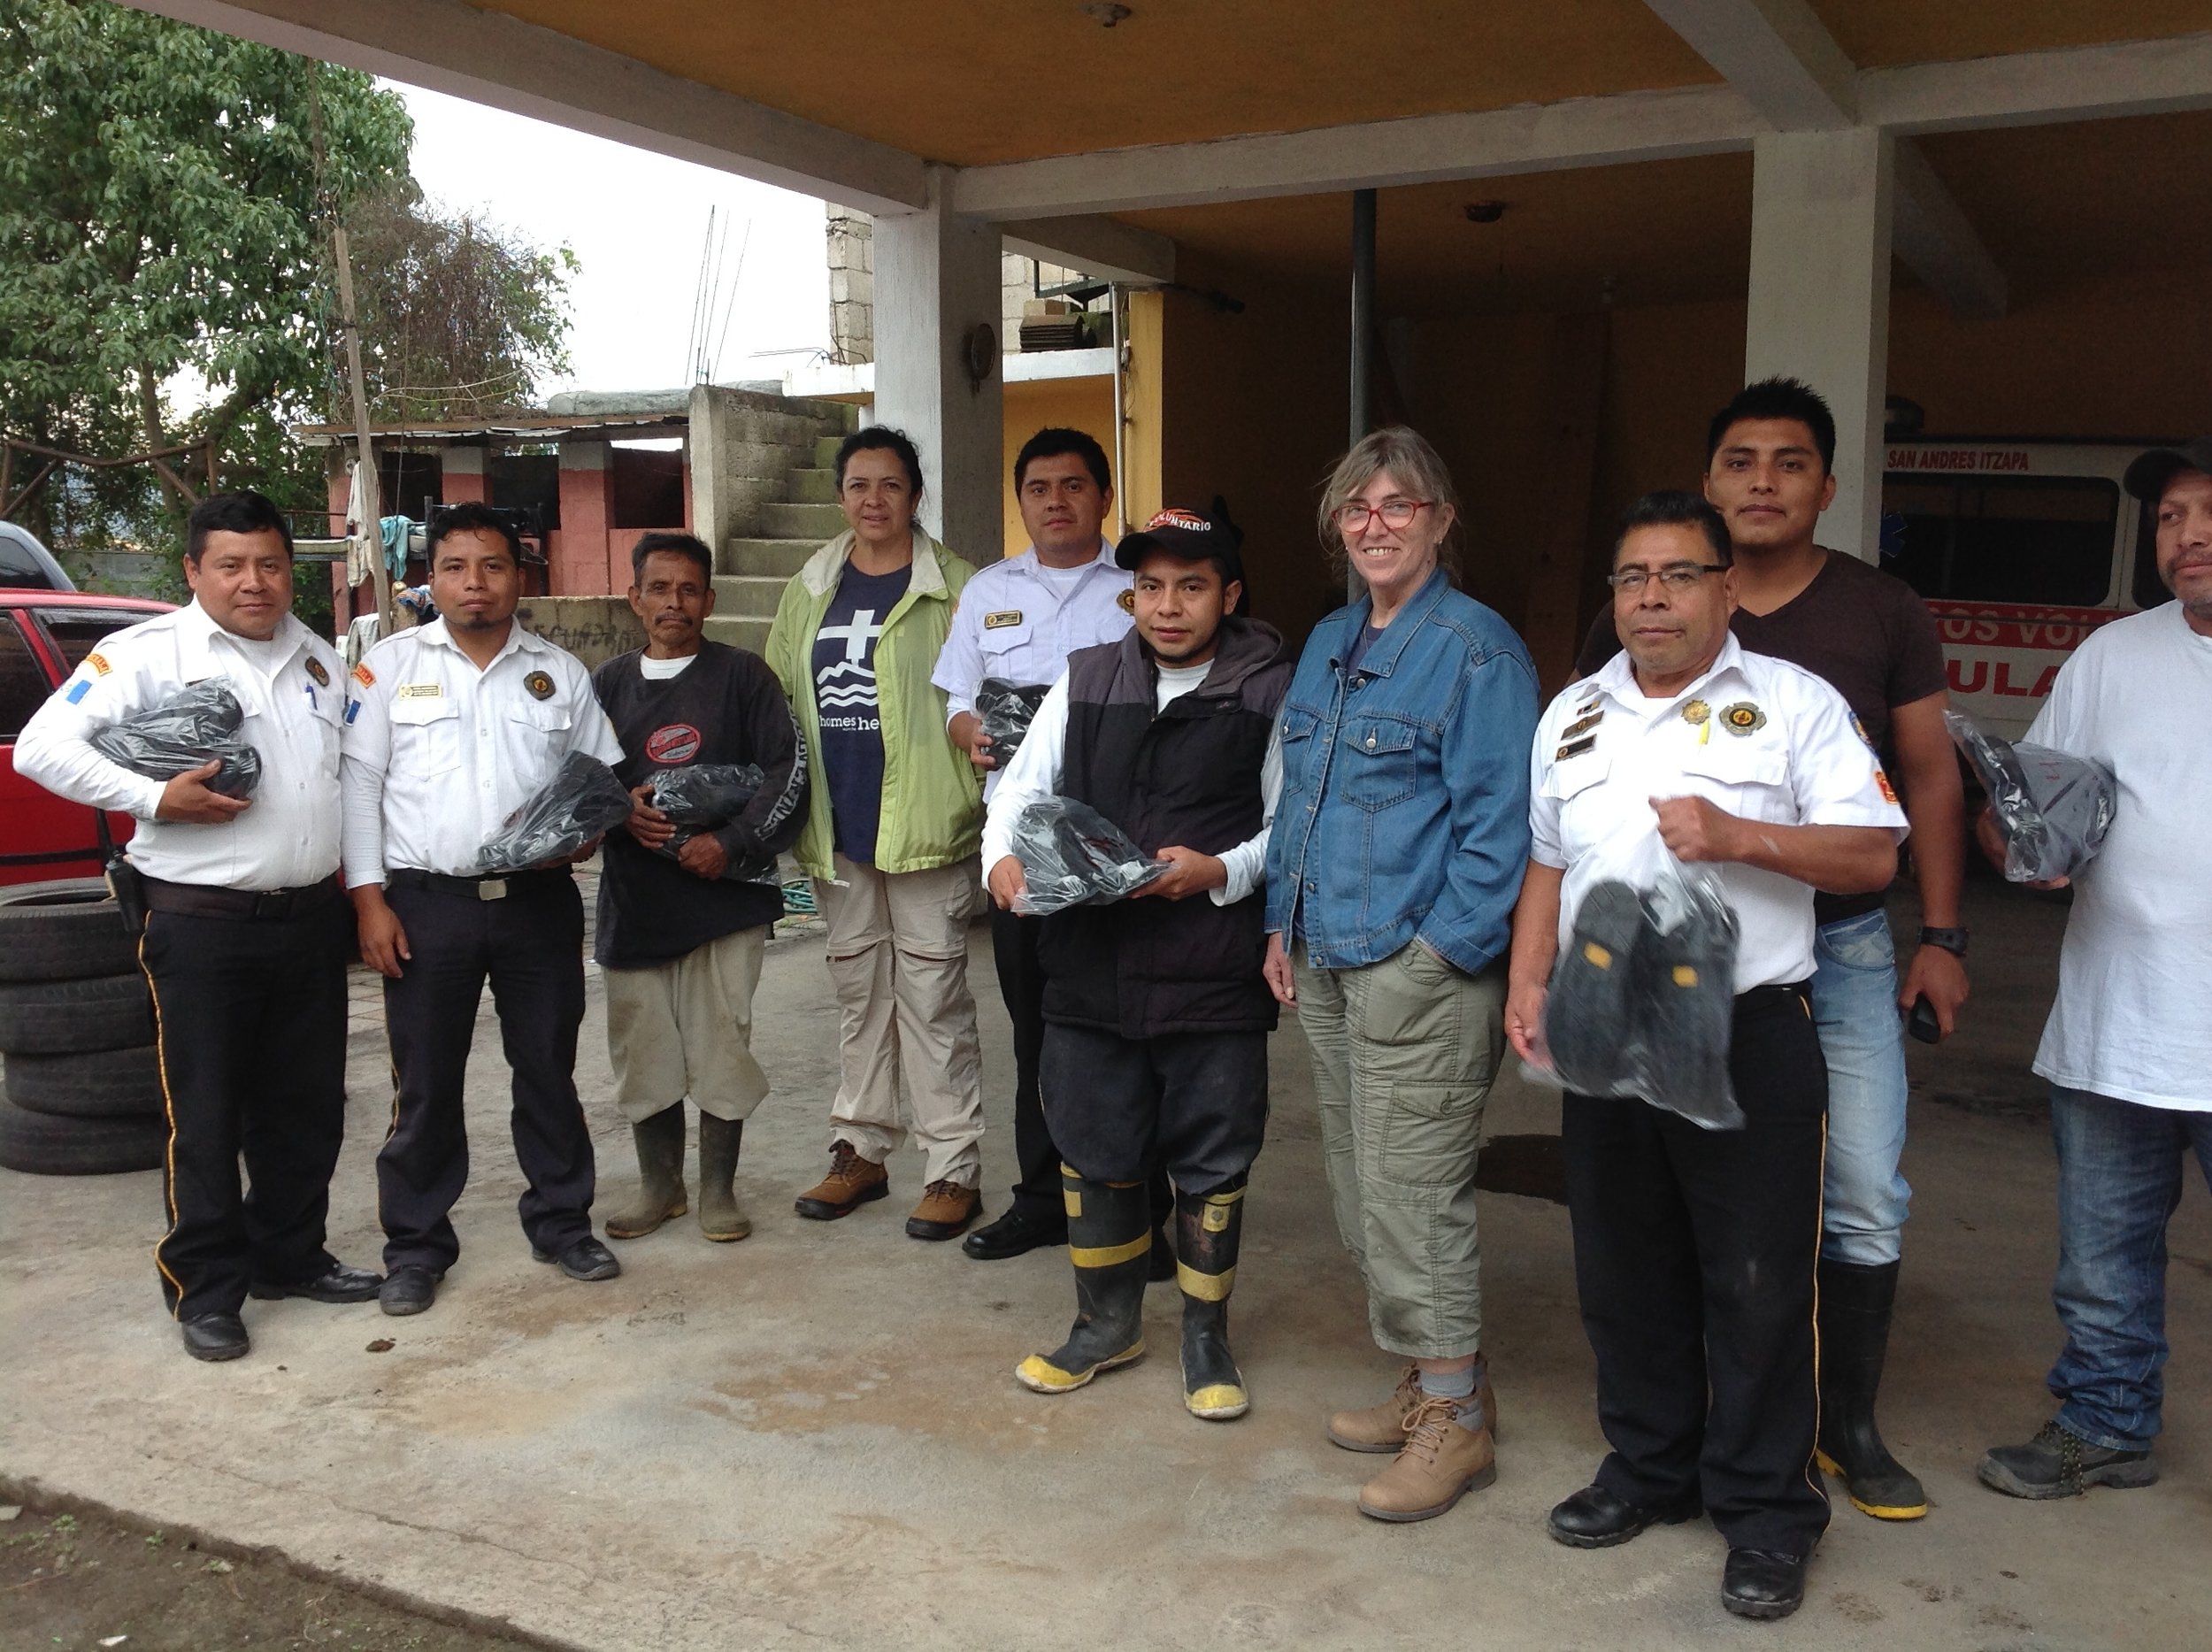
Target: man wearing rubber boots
(1695, 1248)
(1157, 1014)
(247, 934)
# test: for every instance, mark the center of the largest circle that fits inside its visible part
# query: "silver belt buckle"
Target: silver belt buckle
(492, 889)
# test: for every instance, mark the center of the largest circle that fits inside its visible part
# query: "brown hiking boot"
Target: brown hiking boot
(851, 1182)
(1441, 1461)
(945, 1212)
(1383, 1427)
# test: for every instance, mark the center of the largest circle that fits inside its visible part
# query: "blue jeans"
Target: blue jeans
(2119, 1178)
(1855, 1007)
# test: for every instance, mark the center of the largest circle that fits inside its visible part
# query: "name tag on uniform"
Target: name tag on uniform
(421, 690)
(1003, 618)
(1574, 749)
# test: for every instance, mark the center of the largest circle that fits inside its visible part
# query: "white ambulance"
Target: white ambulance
(2021, 550)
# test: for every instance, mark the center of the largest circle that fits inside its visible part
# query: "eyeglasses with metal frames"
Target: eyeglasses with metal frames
(1678, 576)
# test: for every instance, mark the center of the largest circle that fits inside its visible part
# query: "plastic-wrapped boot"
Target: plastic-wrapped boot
(1856, 1300)
(1109, 1241)
(719, 1218)
(1586, 1012)
(660, 1163)
(1688, 1015)
(1207, 1226)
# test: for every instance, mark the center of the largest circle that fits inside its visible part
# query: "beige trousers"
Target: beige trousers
(898, 952)
(686, 1028)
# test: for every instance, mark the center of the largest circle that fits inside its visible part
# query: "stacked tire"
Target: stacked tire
(80, 1089)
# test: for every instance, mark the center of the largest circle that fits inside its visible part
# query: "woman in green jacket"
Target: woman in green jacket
(894, 826)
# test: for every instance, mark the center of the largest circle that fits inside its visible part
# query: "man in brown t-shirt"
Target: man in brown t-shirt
(1768, 471)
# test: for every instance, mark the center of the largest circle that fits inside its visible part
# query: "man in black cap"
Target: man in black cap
(1156, 1015)
(2128, 1048)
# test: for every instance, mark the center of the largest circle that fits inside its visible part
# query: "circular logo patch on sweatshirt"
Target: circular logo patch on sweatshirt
(676, 743)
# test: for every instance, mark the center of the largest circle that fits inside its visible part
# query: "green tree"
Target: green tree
(159, 214)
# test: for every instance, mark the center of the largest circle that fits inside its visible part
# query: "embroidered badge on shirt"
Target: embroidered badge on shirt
(315, 670)
(1889, 792)
(1859, 728)
(1005, 616)
(1743, 718)
(540, 685)
(99, 662)
(421, 691)
(82, 687)
(1582, 726)
(1574, 749)
(363, 675)
(673, 742)
(1128, 601)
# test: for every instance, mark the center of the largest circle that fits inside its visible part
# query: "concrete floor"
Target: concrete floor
(813, 1437)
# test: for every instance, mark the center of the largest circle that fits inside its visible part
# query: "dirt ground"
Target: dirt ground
(74, 1578)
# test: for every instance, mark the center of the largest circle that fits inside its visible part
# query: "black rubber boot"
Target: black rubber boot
(719, 1140)
(1109, 1241)
(1855, 1301)
(660, 1163)
(1207, 1226)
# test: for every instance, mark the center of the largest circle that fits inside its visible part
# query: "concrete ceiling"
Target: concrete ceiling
(1883, 33)
(2056, 204)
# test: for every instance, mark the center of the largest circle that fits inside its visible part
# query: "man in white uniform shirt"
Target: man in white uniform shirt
(1694, 1248)
(1017, 621)
(247, 934)
(2128, 1048)
(452, 727)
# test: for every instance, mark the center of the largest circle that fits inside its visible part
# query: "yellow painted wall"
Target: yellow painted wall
(1083, 404)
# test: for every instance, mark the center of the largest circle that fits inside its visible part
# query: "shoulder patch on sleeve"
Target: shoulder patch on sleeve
(99, 663)
(363, 675)
(79, 689)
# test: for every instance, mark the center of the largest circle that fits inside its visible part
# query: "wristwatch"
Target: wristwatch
(1952, 940)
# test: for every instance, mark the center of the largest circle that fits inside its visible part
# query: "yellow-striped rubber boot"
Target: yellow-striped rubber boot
(1109, 1241)
(1207, 1226)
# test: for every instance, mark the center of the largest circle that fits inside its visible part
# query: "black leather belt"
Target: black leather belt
(205, 900)
(488, 889)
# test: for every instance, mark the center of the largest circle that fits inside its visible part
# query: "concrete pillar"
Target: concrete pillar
(462, 477)
(577, 550)
(1821, 208)
(937, 282)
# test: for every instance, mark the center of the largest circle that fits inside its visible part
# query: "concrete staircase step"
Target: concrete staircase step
(811, 486)
(747, 633)
(801, 521)
(774, 558)
(746, 595)
(825, 452)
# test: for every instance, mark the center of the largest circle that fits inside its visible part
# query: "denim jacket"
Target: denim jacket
(1404, 808)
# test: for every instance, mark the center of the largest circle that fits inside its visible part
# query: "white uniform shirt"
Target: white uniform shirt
(290, 691)
(1019, 620)
(437, 753)
(1035, 772)
(2131, 1020)
(1769, 742)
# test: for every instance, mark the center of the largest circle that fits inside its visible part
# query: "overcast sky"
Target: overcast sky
(638, 224)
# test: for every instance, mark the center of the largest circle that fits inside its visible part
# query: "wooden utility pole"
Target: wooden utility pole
(372, 507)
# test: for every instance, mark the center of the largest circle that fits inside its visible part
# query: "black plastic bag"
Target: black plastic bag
(1007, 709)
(192, 727)
(581, 804)
(705, 797)
(1642, 998)
(2052, 810)
(1073, 855)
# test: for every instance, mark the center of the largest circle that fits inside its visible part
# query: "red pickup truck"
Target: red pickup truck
(44, 634)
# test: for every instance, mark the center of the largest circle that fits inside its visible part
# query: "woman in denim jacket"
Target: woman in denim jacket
(1396, 856)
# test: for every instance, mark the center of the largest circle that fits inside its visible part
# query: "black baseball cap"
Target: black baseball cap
(2147, 477)
(1189, 534)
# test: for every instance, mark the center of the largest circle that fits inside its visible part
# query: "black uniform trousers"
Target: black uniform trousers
(251, 1015)
(1021, 982)
(1694, 1255)
(529, 944)
(1194, 1103)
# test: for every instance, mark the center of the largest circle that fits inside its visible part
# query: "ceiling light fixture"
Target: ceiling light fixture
(1485, 211)
(1104, 16)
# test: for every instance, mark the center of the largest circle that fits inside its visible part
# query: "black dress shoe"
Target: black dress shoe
(1757, 1583)
(585, 1258)
(408, 1289)
(1014, 1234)
(1593, 1518)
(338, 1284)
(215, 1336)
(1161, 1265)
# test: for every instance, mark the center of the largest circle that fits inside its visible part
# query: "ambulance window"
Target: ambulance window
(2044, 539)
(2150, 591)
